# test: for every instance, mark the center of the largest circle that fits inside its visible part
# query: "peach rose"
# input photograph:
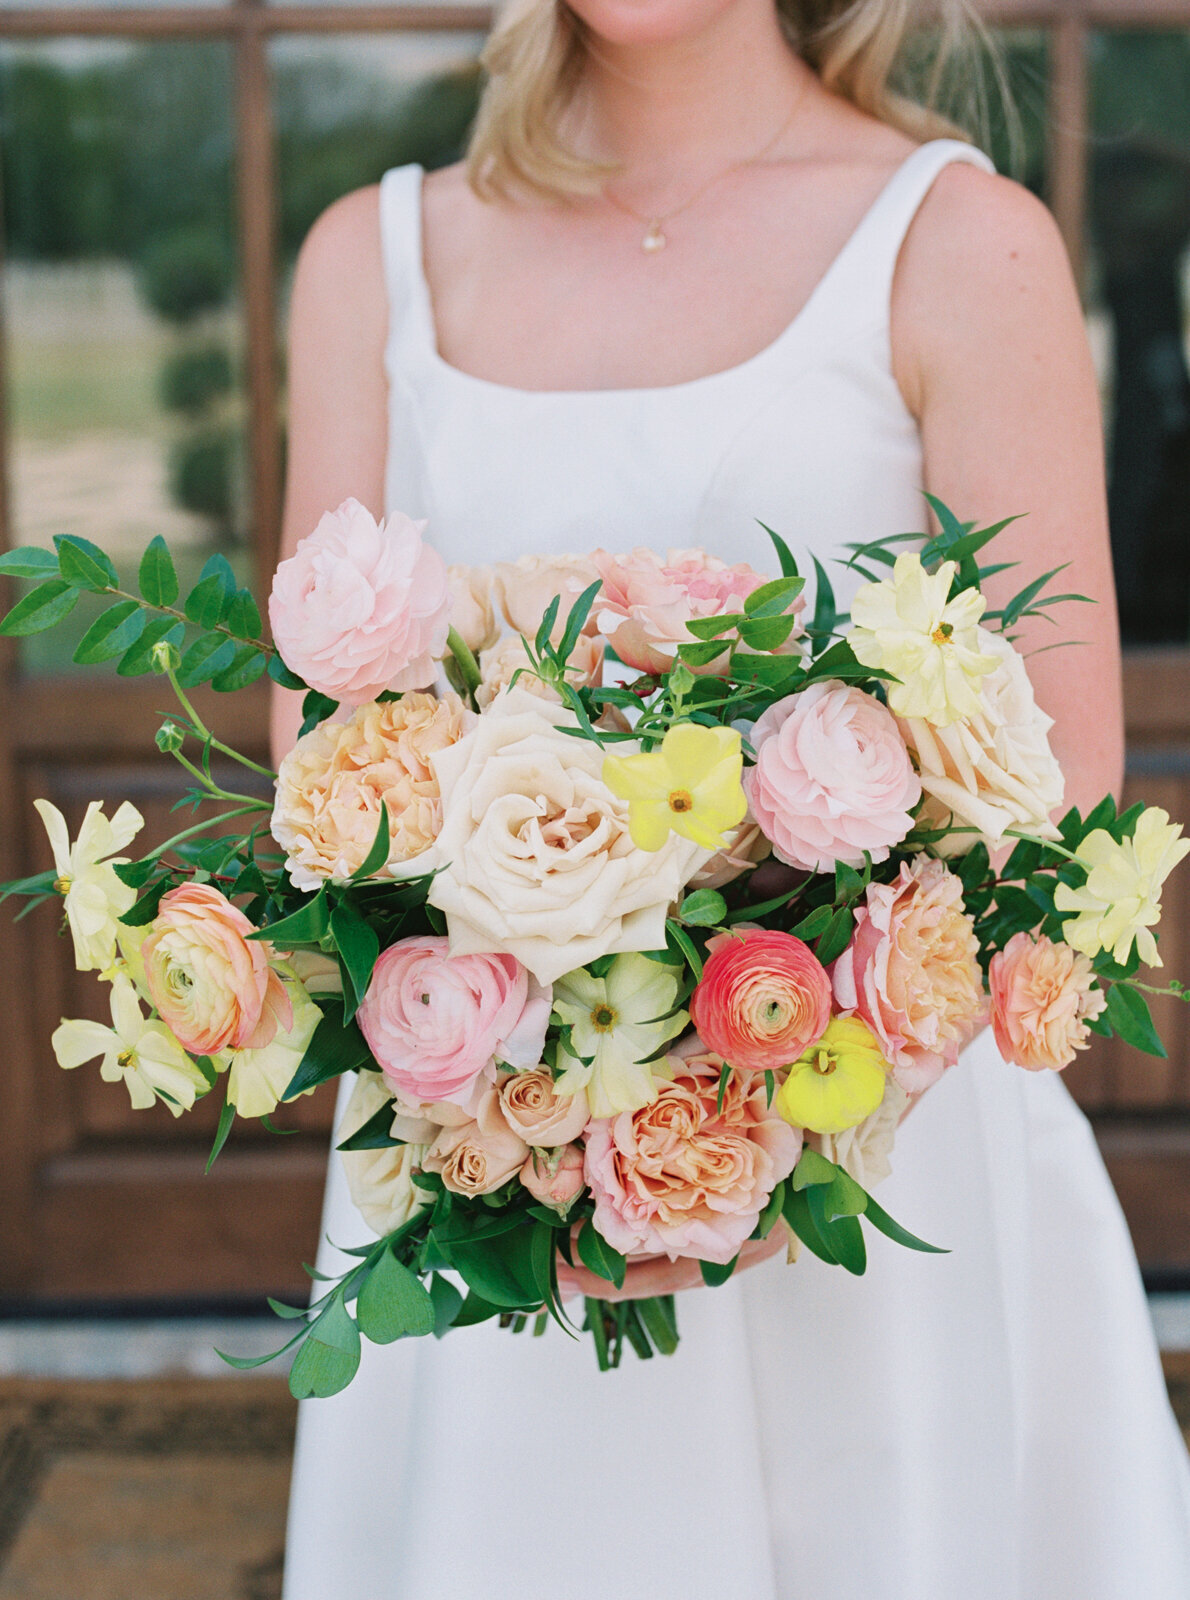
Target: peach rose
(832, 778)
(541, 1117)
(646, 603)
(680, 1177)
(212, 988)
(555, 1177)
(911, 972)
(478, 1156)
(331, 784)
(361, 606)
(1043, 996)
(471, 610)
(499, 665)
(524, 588)
(762, 1000)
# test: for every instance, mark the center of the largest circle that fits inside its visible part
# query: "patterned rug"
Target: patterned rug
(167, 1489)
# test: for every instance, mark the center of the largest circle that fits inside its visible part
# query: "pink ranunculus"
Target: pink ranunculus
(1043, 996)
(832, 778)
(213, 988)
(645, 602)
(555, 1178)
(680, 1177)
(438, 1023)
(361, 607)
(762, 1000)
(911, 972)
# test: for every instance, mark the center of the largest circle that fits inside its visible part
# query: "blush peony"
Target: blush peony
(361, 606)
(911, 972)
(763, 999)
(330, 786)
(438, 1023)
(1043, 996)
(682, 1178)
(832, 778)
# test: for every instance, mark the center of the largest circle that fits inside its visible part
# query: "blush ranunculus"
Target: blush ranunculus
(832, 778)
(680, 1177)
(361, 607)
(645, 602)
(762, 1000)
(438, 1023)
(212, 988)
(1043, 996)
(911, 971)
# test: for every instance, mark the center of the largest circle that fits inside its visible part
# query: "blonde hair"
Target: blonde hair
(534, 57)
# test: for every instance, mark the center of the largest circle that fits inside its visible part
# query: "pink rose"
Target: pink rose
(646, 603)
(832, 778)
(361, 607)
(541, 1117)
(1043, 995)
(556, 1179)
(437, 1023)
(479, 1155)
(681, 1178)
(911, 972)
(212, 988)
(763, 998)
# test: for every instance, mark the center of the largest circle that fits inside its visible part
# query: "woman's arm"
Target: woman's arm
(338, 323)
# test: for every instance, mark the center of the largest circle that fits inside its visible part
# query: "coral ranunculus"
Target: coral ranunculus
(1043, 995)
(361, 606)
(763, 999)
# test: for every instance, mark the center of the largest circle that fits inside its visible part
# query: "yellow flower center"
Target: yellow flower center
(125, 1059)
(681, 800)
(603, 1019)
(63, 885)
(943, 633)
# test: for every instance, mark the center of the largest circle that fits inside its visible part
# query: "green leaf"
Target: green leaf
(40, 609)
(701, 655)
(375, 1133)
(844, 1234)
(501, 1269)
(329, 1359)
(837, 936)
(546, 626)
(448, 1302)
(111, 634)
(377, 856)
(205, 657)
(600, 1257)
(766, 633)
(85, 564)
(784, 553)
(1128, 1012)
(336, 1047)
(826, 612)
(815, 924)
(796, 1211)
(774, 599)
(247, 1363)
(248, 664)
(358, 945)
(577, 617)
(144, 910)
(209, 601)
(812, 1169)
(474, 1309)
(226, 1117)
(393, 1303)
(158, 579)
(658, 1318)
(714, 1273)
(705, 908)
(676, 934)
(282, 676)
(306, 925)
(880, 1219)
(138, 660)
(843, 1197)
(29, 561)
(243, 616)
(316, 708)
(706, 628)
(772, 1210)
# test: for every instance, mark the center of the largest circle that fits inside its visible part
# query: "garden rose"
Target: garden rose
(555, 1178)
(524, 588)
(331, 784)
(361, 606)
(472, 614)
(436, 1023)
(832, 778)
(992, 771)
(478, 1156)
(1043, 995)
(538, 1115)
(911, 971)
(213, 988)
(380, 1181)
(537, 859)
(499, 665)
(680, 1177)
(645, 602)
(763, 998)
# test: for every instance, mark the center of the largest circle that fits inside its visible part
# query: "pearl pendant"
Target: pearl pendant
(654, 239)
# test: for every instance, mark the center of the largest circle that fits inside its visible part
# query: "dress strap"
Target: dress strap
(400, 244)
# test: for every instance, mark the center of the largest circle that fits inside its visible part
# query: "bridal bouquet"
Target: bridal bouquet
(640, 937)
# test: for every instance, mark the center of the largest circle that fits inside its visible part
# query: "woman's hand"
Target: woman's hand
(657, 1275)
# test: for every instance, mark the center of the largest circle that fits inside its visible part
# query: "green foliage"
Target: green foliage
(193, 379)
(202, 473)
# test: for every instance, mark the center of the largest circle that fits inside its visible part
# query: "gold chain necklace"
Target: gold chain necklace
(654, 238)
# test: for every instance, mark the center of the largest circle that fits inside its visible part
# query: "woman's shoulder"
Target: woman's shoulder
(339, 284)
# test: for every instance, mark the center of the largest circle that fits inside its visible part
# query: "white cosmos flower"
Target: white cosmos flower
(141, 1051)
(614, 1029)
(95, 898)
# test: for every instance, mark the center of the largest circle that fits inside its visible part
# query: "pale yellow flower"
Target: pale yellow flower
(690, 786)
(905, 625)
(143, 1052)
(258, 1078)
(1121, 899)
(95, 898)
(838, 1082)
(614, 1029)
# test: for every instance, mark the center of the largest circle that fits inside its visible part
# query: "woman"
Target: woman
(701, 269)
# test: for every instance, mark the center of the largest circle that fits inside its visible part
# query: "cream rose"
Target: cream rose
(471, 610)
(535, 854)
(500, 665)
(864, 1149)
(994, 770)
(380, 1182)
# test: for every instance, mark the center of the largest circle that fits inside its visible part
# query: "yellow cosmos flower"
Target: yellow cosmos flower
(1121, 899)
(691, 786)
(906, 625)
(838, 1082)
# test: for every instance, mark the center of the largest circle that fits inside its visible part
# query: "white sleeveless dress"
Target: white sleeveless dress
(986, 1425)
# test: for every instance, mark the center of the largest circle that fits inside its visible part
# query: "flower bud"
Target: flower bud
(170, 738)
(165, 656)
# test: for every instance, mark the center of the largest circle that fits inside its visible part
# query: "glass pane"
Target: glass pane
(1139, 250)
(124, 394)
(1017, 106)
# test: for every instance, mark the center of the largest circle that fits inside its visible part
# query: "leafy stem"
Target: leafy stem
(201, 827)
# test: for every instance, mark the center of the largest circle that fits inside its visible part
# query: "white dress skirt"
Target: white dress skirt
(986, 1425)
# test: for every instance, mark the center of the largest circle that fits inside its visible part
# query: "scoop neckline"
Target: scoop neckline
(739, 369)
